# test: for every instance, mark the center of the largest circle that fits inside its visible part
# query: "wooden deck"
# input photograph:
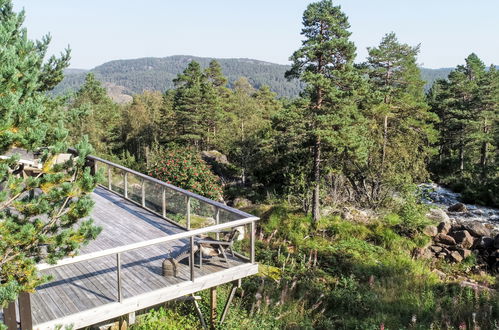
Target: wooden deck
(85, 293)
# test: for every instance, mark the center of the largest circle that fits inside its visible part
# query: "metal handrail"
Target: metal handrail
(172, 187)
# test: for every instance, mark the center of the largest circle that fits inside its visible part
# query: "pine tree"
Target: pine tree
(93, 113)
(401, 124)
(325, 64)
(188, 105)
(38, 215)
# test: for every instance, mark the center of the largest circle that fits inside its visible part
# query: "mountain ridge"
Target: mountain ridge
(132, 76)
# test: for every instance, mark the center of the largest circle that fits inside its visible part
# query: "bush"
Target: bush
(184, 168)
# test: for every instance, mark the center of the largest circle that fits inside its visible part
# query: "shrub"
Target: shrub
(184, 168)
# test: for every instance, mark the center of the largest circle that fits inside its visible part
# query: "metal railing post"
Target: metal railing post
(143, 188)
(109, 179)
(188, 213)
(125, 180)
(163, 202)
(252, 242)
(118, 273)
(217, 221)
(191, 258)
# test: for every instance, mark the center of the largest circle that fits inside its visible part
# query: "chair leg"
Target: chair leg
(225, 257)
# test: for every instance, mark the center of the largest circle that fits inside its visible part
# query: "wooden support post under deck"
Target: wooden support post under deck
(213, 307)
(235, 285)
(199, 312)
(25, 311)
(125, 181)
(9, 316)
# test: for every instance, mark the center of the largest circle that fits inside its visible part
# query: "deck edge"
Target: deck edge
(128, 305)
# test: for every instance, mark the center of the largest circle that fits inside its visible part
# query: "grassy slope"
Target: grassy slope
(363, 278)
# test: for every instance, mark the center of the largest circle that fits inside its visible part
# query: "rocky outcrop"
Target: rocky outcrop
(458, 241)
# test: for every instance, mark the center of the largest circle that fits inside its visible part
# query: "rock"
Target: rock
(477, 229)
(214, 156)
(496, 242)
(456, 256)
(422, 253)
(445, 239)
(438, 215)
(464, 238)
(442, 255)
(483, 243)
(430, 231)
(241, 202)
(444, 227)
(439, 273)
(465, 253)
(436, 249)
(458, 207)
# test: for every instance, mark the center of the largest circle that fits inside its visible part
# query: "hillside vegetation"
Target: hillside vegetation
(156, 74)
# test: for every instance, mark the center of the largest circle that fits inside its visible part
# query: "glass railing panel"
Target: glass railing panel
(118, 180)
(176, 207)
(154, 199)
(202, 214)
(134, 185)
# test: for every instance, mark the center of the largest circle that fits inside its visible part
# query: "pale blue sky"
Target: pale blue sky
(269, 30)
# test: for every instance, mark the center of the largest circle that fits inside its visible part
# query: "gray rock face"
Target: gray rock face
(458, 207)
(463, 238)
(483, 243)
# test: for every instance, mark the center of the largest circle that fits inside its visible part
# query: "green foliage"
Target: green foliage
(468, 108)
(165, 319)
(184, 168)
(39, 214)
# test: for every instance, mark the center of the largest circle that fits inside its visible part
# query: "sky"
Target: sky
(98, 31)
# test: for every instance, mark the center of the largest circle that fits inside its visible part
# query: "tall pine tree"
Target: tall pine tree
(325, 64)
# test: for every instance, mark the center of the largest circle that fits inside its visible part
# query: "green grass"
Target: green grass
(362, 278)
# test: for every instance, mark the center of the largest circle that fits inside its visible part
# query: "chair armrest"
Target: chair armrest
(212, 242)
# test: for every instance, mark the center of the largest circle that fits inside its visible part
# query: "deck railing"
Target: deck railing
(196, 214)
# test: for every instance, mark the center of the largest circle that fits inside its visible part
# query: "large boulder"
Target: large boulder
(422, 253)
(456, 256)
(241, 202)
(438, 215)
(445, 239)
(477, 229)
(458, 207)
(463, 238)
(214, 156)
(444, 227)
(496, 242)
(430, 231)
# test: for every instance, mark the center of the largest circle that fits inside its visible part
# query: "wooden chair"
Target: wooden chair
(209, 247)
(206, 247)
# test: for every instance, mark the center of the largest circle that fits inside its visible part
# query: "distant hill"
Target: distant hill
(134, 76)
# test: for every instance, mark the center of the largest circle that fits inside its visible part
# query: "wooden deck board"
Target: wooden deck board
(88, 285)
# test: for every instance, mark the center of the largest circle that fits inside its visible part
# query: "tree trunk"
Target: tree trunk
(461, 157)
(484, 151)
(316, 215)
(385, 139)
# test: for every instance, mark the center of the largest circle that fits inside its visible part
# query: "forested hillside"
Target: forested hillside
(157, 74)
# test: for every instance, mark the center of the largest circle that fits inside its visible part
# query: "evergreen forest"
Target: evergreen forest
(330, 152)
